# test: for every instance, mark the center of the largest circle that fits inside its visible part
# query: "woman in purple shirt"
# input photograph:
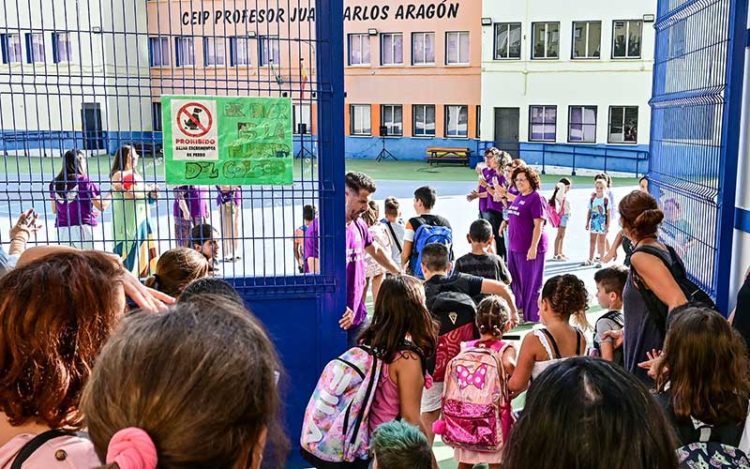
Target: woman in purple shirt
(74, 198)
(528, 242)
(491, 183)
(190, 208)
(229, 202)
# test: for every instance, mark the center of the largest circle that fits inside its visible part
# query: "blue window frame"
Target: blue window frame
(62, 49)
(35, 48)
(158, 51)
(184, 49)
(239, 51)
(10, 48)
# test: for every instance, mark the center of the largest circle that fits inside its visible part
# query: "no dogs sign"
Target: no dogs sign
(227, 140)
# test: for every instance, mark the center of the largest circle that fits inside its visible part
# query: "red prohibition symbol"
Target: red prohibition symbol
(191, 120)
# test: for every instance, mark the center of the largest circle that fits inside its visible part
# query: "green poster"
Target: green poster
(227, 140)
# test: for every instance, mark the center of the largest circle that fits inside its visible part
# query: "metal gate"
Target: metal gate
(695, 130)
(87, 75)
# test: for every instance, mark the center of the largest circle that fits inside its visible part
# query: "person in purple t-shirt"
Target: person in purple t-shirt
(190, 208)
(491, 186)
(74, 198)
(359, 187)
(306, 247)
(528, 242)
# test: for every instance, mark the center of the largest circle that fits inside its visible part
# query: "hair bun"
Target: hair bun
(647, 223)
(132, 448)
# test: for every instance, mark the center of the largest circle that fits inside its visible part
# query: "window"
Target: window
(239, 51)
(156, 117)
(302, 115)
(582, 124)
(391, 117)
(542, 123)
(626, 39)
(545, 40)
(423, 48)
(184, 51)
(62, 49)
(391, 49)
(34, 48)
(158, 51)
(457, 121)
(270, 52)
(424, 120)
(10, 47)
(457, 48)
(213, 51)
(587, 38)
(507, 41)
(623, 124)
(359, 49)
(359, 117)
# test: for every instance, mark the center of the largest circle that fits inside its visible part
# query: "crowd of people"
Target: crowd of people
(100, 370)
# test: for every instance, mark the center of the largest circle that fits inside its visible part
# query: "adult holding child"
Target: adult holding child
(131, 197)
(490, 192)
(528, 242)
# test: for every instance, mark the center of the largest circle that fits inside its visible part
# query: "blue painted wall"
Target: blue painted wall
(403, 148)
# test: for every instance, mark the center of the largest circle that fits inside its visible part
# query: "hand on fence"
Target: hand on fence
(347, 319)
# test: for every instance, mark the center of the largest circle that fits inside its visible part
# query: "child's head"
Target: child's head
(610, 281)
(698, 340)
(392, 208)
(372, 214)
(604, 177)
(309, 212)
(176, 268)
(493, 316)
(435, 259)
(209, 287)
(400, 311)
(671, 209)
(602, 402)
(643, 183)
(564, 296)
(202, 237)
(398, 444)
(480, 234)
(424, 199)
(601, 186)
(199, 380)
(562, 186)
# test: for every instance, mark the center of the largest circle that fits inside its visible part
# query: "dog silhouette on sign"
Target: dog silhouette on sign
(192, 124)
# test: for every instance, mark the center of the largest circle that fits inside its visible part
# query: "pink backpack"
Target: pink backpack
(553, 215)
(477, 413)
(336, 424)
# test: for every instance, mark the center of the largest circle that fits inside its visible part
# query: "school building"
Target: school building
(566, 80)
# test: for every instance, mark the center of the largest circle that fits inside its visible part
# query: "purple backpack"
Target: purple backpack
(335, 430)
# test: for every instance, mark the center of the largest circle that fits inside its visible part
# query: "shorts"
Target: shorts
(432, 399)
(564, 221)
(597, 225)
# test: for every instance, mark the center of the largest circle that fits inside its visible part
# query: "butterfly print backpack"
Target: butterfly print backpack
(477, 413)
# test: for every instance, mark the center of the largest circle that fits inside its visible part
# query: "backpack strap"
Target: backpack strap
(552, 342)
(395, 238)
(579, 336)
(661, 322)
(34, 444)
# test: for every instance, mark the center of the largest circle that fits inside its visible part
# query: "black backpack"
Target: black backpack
(693, 293)
(456, 312)
(615, 316)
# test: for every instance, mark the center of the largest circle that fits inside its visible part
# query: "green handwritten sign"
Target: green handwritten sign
(227, 140)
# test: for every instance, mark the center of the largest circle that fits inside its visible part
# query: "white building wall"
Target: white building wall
(109, 40)
(563, 82)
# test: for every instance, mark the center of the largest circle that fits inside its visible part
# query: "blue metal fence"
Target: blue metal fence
(90, 80)
(695, 120)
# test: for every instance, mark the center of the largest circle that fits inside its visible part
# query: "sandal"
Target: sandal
(588, 263)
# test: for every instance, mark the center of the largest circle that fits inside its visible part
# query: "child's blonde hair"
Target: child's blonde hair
(493, 314)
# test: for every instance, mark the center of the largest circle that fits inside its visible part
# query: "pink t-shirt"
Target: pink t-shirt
(79, 453)
(386, 405)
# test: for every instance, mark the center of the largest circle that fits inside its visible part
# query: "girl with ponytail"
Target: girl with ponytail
(640, 217)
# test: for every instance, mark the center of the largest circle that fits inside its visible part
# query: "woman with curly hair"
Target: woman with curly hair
(563, 296)
(527, 241)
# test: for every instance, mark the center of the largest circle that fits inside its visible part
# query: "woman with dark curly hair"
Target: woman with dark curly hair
(589, 413)
(563, 296)
(527, 241)
(55, 315)
(689, 386)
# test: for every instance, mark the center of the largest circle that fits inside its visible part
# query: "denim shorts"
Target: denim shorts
(564, 221)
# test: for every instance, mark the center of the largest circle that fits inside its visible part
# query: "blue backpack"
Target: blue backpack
(428, 234)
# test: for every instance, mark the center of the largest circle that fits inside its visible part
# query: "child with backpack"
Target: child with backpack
(449, 300)
(610, 283)
(379, 381)
(559, 214)
(703, 386)
(597, 221)
(395, 227)
(481, 261)
(477, 379)
(563, 296)
(426, 228)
